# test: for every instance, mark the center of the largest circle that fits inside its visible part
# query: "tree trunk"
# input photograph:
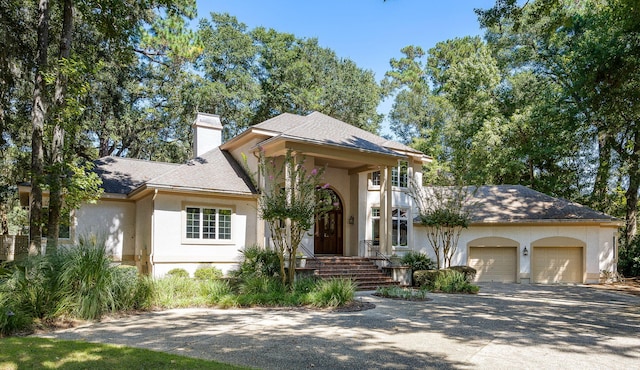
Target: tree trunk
(38, 113)
(57, 142)
(601, 182)
(631, 226)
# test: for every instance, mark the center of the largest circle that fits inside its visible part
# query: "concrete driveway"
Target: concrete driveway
(504, 326)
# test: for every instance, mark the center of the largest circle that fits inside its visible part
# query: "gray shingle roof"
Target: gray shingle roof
(214, 171)
(323, 129)
(123, 175)
(513, 203)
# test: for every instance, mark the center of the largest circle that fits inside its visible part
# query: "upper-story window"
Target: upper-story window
(399, 176)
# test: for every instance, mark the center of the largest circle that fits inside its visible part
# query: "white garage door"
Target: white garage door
(556, 265)
(496, 264)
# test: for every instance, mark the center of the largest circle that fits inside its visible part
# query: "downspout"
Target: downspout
(153, 231)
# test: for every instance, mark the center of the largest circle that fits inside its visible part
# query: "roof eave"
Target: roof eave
(195, 190)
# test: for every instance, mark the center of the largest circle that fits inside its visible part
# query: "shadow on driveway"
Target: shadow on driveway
(505, 326)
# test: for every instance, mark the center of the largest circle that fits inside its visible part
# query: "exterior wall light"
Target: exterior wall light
(351, 220)
(525, 252)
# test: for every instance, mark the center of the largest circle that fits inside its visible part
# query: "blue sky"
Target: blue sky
(369, 32)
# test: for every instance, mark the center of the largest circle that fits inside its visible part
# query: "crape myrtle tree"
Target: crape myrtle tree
(444, 211)
(291, 197)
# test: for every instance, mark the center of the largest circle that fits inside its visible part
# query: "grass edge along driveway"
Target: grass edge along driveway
(44, 353)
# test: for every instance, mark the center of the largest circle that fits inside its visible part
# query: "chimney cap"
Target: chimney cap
(208, 120)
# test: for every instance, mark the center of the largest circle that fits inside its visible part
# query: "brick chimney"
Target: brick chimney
(207, 133)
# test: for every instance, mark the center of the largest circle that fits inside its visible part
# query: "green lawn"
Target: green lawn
(42, 353)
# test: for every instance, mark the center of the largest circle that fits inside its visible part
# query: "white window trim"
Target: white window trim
(200, 240)
(394, 246)
(373, 186)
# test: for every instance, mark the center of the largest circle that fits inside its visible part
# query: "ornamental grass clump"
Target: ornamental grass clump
(450, 281)
(79, 281)
(333, 292)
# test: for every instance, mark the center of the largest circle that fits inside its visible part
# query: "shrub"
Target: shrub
(208, 273)
(87, 279)
(176, 291)
(450, 281)
(417, 261)
(178, 272)
(257, 261)
(333, 293)
(629, 257)
(468, 272)
(425, 278)
(132, 291)
(215, 290)
(262, 290)
(12, 319)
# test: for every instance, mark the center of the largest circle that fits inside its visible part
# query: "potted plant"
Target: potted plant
(301, 260)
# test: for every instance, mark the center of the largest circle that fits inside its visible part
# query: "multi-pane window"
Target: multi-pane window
(399, 220)
(399, 176)
(399, 226)
(208, 223)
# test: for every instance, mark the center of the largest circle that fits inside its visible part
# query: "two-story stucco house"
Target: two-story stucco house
(160, 216)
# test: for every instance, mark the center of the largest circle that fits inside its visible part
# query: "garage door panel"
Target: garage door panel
(494, 264)
(557, 265)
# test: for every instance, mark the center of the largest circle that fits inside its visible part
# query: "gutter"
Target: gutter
(171, 188)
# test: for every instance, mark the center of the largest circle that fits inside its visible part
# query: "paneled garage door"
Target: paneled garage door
(556, 265)
(494, 263)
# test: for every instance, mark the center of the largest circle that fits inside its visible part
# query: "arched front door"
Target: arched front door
(328, 229)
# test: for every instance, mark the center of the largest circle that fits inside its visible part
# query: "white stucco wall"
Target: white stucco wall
(173, 250)
(111, 221)
(598, 251)
(144, 213)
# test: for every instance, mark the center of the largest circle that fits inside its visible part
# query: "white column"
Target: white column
(385, 210)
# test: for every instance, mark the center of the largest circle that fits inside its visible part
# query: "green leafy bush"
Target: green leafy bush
(450, 281)
(132, 291)
(333, 293)
(262, 290)
(208, 273)
(468, 272)
(629, 257)
(177, 272)
(215, 290)
(178, 291)
(257, 261)
(425, 278)
(417, 261)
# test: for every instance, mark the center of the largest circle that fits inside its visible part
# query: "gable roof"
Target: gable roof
(123, 175)
(517, 203)
(214, 171)
(322, 129)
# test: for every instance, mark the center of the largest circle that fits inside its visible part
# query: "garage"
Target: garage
(494, 264)
(551, 265)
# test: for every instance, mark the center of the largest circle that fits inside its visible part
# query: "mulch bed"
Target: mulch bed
(629, 286)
